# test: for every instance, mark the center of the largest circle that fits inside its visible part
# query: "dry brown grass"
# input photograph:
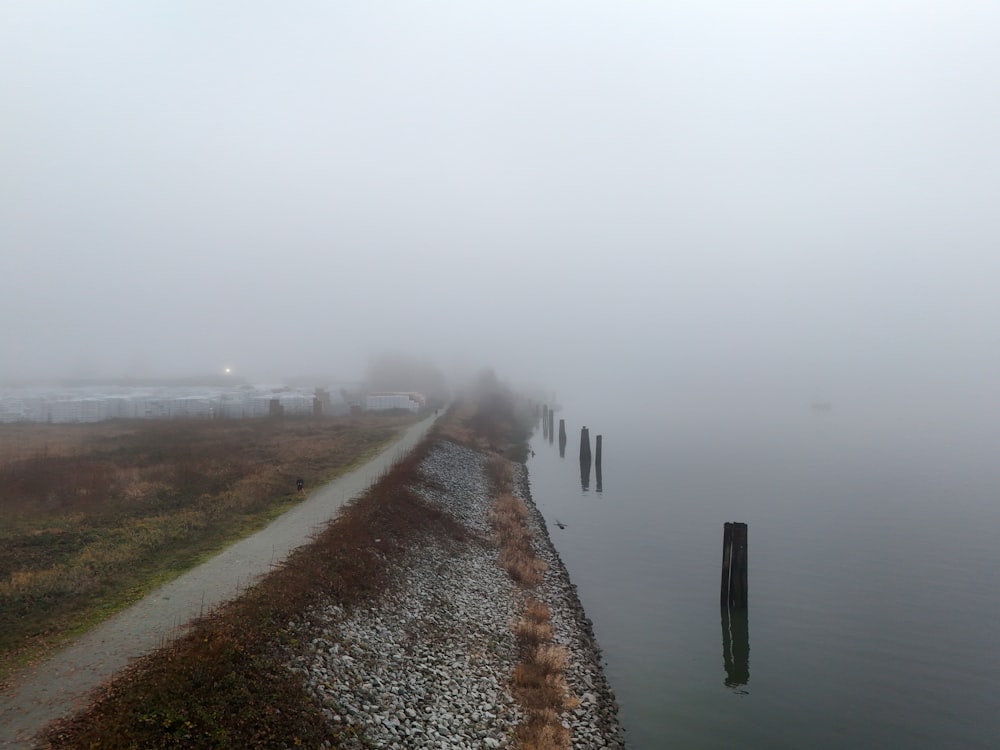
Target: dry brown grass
(225, 685)
(538, 681)
(496, 422)
(92, 516)
(543, 730)
(523, 566)
(462, 435)
(498, 472)
(509, 517)
(455, 426)
(534, 629)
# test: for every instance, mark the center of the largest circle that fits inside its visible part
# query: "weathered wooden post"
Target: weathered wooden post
(733, 594)
(585, 459)
(738, 593)
(597, 464)
(562, 438)
(727, 556)
(545, 421)
(552, 432)
(733, 598)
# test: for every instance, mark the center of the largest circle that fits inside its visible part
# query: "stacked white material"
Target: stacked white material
(382, 401)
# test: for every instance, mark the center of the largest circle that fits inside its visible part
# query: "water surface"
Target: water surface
(874, 583)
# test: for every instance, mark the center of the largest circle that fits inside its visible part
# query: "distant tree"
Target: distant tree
(403, 373)
(501, 417)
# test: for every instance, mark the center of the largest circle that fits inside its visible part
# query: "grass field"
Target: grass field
(225, 684)
(94, 516)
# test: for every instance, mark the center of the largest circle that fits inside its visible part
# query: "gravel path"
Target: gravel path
(59, 686)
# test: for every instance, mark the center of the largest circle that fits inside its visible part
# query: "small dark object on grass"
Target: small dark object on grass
(299, 484)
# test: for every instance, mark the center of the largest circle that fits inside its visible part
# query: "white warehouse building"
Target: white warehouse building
(383, 401)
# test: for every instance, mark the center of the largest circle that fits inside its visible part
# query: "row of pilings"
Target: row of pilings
(733, 596)
(588, 459)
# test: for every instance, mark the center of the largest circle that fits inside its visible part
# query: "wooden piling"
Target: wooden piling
(727, 556)
(738, 569)
(597, 451)
(552, 417)
(585, 459)
(733, 592)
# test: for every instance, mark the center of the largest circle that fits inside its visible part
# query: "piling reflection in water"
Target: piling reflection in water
(600, 483)
(736, 648)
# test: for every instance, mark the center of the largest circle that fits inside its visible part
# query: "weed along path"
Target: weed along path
(60, 685)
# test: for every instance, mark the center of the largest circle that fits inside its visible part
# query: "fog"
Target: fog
(698, 197)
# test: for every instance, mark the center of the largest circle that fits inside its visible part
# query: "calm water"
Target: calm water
(874, 576)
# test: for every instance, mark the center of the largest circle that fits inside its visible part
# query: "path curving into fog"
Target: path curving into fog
(60, 685)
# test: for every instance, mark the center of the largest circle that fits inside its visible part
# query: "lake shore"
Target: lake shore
(431, 661)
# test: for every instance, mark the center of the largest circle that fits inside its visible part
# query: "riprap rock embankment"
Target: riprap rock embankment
(430, 664)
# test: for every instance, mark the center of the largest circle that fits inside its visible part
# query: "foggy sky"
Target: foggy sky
(792, 194)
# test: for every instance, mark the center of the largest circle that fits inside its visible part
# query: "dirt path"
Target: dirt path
(59, 686)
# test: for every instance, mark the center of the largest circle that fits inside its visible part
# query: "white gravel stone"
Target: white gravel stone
(430, 664)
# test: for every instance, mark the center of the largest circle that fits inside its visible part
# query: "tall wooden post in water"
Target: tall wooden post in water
(585, 459)
(733, 593)
(597, 464)
(562, 438)
(733, 598)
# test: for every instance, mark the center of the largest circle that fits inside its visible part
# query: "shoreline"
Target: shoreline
(64, 684)
(429, 664)
(430, 660)
(585, 674)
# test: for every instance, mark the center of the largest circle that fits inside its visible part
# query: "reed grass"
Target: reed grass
(538, 681)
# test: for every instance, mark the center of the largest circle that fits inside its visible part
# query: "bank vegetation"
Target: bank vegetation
(224, 682)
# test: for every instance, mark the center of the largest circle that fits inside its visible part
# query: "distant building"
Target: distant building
(383, 401)
(77, 410)
(94, 404)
